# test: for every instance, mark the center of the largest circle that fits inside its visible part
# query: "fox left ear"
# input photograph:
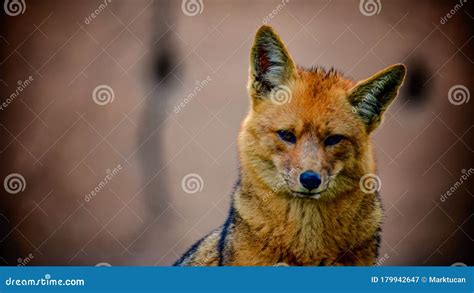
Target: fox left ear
(371, 97)
(270, 64)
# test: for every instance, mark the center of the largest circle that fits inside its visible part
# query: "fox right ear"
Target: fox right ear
(371, 97)
(270, 64)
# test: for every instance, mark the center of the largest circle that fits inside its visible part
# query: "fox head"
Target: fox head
(307, 133)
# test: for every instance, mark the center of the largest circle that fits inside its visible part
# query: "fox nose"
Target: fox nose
(310, 180)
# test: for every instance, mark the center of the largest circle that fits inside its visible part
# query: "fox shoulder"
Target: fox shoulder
(202, 253)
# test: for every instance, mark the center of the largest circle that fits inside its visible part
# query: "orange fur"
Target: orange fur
(270, 221)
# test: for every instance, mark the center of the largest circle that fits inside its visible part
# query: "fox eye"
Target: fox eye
(333, 139)
(287, 135)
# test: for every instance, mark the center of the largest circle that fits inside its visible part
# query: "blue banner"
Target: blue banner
(232, 279)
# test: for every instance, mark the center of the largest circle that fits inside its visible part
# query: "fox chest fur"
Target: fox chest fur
(305, 157)
(305, 232)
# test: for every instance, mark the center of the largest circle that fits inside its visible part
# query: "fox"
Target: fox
(304, 148)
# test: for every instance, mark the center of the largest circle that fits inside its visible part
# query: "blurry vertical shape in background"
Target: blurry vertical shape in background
(152, 156)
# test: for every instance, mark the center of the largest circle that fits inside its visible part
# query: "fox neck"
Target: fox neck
(307, 224)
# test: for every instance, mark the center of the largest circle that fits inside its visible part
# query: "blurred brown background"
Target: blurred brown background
(127, 98)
